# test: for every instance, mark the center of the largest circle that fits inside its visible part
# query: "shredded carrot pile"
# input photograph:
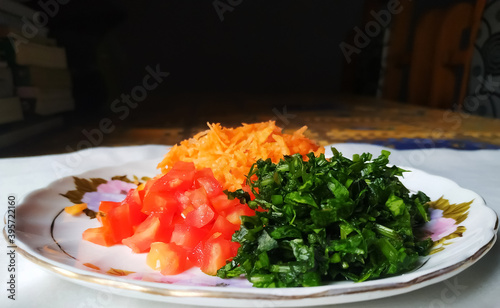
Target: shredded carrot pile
(230, 152)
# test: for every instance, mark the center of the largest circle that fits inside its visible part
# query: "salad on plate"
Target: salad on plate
(255, 202)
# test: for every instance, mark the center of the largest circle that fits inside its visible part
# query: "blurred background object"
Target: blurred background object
(425, 52)
(484, 79)
(125, 72)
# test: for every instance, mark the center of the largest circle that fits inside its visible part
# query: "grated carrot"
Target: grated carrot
(230, 152)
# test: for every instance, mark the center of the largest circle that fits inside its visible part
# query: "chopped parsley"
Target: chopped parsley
(327, 219)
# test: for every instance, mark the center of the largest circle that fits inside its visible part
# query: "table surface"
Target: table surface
(330, 119)
(478, 170)
(352, 119)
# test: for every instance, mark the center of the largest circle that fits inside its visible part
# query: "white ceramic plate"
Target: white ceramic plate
(51, 239)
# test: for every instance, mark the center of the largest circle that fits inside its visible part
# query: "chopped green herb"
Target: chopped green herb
(327, 219)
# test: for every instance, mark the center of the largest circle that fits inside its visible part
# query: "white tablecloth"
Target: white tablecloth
(477, 286)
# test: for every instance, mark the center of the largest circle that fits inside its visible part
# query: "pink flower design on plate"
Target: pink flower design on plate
(114, 190)
(439, 226)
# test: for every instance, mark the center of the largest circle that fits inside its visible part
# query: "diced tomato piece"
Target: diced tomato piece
(200, 216)
(99, 236)
(188, 236)
(179, 178)
(103, 217)
(233, 215)
(211, 186)
(132, 198)
(187, 210)
(120, 223)
(141, 193)
(205, 172)
(216, 251)
(172, 181)
(223, 226)
(221, 203)
(144, 235)
(155, 202)
(191, 199)
(134, 203)
(166, 226)
(198, 197)
(106, 206)
(168, 258)
(205, 178)
(149, 183)
(234, 248)
(196, 254)
(247, 189)
(120, 219)
(136, 216)
(185, 167)
(145, 187)
(185, 205)
(183, 200)
(182, 218)
(177, 219)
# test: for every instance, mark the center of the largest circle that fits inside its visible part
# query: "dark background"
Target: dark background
(265, 58)
(261, 47)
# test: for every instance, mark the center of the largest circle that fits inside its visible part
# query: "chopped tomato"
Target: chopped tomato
(196, 254)
(166, 226)
(120, 222)
(216, 251)
(99, 236)
(120, 219)
(168, 258)
(221, 203)
(155, 202)
(205, 178)
(147, 186)
(144, 236)
(133, 198)
(234, 214)
(247, 189)
(205, 172)
(223, 226)
(188, 236)
(180, 178)
(134, 203)
(200, 217)
(191, 199)
(106, 206)
(197, 197)
(182, 218)
(234, 248)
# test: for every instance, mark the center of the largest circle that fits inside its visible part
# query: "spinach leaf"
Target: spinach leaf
(327, 219)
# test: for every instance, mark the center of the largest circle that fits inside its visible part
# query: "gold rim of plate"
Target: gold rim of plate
(189, 292)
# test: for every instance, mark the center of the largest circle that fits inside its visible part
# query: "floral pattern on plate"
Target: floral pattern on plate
(39, 237)
(444, 224)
